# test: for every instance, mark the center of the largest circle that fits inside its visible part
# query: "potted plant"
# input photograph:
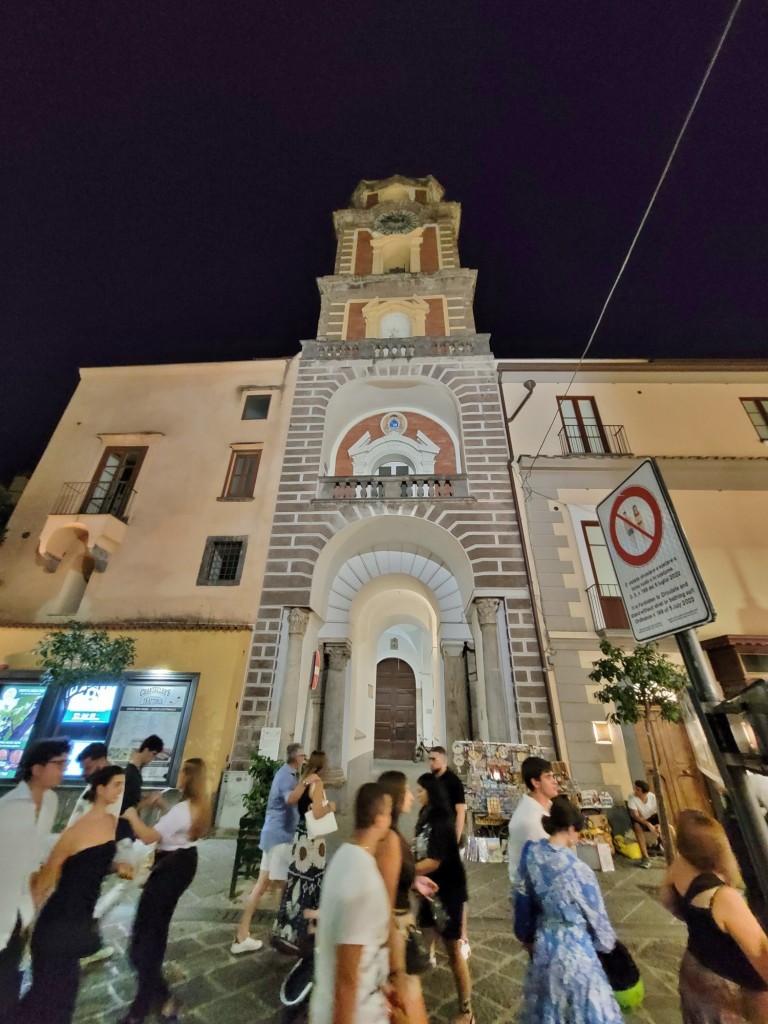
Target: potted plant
(262, 771)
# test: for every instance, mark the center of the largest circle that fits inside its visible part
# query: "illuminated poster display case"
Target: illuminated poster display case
(119, 713)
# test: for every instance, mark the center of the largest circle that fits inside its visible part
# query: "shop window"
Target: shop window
(757, 410)
(241, 475)
(256, 407)
(222, 563)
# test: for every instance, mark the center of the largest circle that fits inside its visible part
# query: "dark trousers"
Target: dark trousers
(170, 878)
(55, 976)
(10, 975)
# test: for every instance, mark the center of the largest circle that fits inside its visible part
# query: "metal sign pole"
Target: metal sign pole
(704, 692)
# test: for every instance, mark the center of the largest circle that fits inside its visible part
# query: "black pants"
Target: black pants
(170, 878)
(10, 975)
(57, 946)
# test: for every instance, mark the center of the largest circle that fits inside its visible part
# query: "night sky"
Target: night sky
(168, 173)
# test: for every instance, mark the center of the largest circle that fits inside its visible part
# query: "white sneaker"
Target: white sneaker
(248, 945)
(104, 953)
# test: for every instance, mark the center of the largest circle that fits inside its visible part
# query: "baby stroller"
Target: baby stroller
(297, 988)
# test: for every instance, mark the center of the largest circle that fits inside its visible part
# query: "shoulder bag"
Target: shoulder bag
(324, 826)
(526, 908)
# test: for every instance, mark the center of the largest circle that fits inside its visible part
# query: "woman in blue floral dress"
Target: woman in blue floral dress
(565, 983)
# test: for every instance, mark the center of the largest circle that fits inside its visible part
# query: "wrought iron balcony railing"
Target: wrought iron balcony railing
(83, 499)
(594, 439)
(607, 607)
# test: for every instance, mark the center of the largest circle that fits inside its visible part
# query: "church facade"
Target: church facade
(395, 601)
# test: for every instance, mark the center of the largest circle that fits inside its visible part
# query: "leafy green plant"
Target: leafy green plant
(642, 685)
(78, 655)
(262, 771)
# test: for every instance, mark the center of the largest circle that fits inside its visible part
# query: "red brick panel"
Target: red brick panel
(435, 325)
(363, 253)
(429, 260)
(355, 322)
(445, 463)
(372, 199)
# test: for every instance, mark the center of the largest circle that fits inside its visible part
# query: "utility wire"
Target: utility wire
(713, 60)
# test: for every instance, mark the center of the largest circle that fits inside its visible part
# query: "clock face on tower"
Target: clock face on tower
(395, 222)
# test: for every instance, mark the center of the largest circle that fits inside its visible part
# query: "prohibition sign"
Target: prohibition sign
(635, 525)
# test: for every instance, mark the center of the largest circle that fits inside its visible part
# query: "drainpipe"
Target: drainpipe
(551, 700)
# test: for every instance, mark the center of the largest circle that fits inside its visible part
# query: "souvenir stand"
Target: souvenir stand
(493, 782)
(493, 785)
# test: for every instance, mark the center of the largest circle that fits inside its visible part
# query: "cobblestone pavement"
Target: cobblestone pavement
(218, 988)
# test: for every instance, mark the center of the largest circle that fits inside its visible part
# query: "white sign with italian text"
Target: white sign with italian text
(662, 590)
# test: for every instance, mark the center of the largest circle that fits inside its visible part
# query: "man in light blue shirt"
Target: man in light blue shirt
(280, 822)
(27, 814)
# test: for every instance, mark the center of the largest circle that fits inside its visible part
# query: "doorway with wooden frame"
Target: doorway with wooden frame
(394, 735)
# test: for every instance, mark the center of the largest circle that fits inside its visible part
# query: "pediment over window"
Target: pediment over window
(419, 453)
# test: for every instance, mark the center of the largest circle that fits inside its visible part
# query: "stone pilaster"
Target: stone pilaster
(495, 703)
(456, 704)
(334, 698)
(298, 618)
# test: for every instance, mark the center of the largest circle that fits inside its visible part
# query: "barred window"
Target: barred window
(222, 563)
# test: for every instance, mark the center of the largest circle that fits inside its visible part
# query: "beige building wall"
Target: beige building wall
(189, 417)
(689, 416)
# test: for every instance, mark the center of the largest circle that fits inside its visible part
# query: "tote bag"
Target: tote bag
(317, 827)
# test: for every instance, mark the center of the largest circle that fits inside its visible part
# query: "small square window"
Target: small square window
(222, 563)
(256, 407)
(241, 475)
(602, 731)
(757, 410)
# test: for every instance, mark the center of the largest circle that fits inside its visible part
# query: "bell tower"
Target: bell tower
(397, 272)
(395, 574)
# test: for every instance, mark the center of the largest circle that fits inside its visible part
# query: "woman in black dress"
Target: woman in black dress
(65, 929)
(437, 856)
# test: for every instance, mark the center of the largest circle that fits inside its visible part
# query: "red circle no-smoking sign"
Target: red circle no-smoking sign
(635, 524)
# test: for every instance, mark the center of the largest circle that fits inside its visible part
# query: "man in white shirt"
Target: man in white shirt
(27, 815)
(351, 950)
(643, 810)
(525, 823)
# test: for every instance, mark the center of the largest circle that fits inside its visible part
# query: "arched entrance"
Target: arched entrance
(394, 735)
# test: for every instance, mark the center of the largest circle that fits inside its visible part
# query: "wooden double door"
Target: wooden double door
(681, 779)
(394, 735)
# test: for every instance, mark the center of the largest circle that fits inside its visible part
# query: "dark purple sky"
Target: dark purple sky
(168, 172)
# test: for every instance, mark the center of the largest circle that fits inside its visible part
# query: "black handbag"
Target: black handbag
(525, 906)
(620, 969)
(416, 952)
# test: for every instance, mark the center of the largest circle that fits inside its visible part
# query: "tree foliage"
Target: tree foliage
(638, 683)
(79, 653)
(262, 771)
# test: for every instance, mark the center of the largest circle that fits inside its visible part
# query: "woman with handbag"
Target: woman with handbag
(565, 983)
(301, 896)
(724, 972)
(437, 855)
(409, 953)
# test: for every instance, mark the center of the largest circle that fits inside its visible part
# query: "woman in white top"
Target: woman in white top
(176, 834)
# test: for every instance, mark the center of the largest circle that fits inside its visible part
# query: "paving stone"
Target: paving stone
(217, 988)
